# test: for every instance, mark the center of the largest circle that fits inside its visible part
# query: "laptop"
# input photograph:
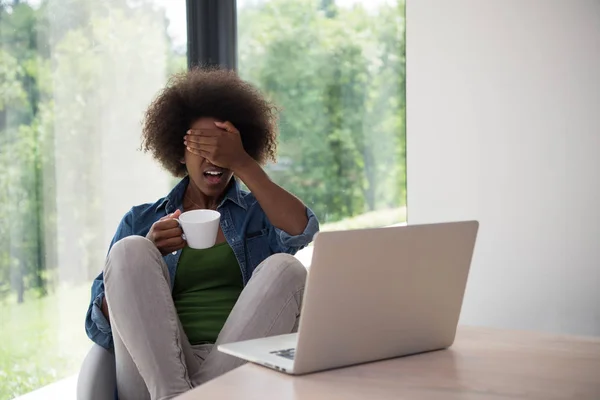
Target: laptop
(373, 294)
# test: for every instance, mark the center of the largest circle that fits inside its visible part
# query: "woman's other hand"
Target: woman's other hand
(221, 146)
(166, 234)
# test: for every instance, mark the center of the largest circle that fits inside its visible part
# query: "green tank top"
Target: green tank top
(207, 284)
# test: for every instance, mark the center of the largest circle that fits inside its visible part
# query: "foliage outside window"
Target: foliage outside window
(75, 79)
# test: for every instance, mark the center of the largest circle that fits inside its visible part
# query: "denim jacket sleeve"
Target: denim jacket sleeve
(96, 326)
(283, 242)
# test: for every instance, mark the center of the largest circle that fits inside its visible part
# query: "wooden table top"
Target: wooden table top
(483, 363)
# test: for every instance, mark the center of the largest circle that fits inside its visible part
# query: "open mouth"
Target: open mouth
(213, 176)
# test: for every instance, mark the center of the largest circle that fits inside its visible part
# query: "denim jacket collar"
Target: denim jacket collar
(174, 200)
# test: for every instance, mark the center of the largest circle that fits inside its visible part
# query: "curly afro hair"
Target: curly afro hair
(208, 92)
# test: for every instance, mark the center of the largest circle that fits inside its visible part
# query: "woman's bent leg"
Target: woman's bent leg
(269, 305)
(150, 345)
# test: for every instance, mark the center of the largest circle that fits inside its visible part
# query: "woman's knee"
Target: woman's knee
(128, 254)
(283, 267)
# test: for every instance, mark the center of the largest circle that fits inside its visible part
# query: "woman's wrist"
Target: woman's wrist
(282, 208)
(246, 168)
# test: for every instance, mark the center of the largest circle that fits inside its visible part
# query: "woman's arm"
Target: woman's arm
(223, 148)
(284, 210)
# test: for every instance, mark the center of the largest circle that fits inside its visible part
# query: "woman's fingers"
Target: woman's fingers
(228, 126)
(193, 150)
(209, 155)
(200, 145)
(168, 233)
(202, 140)
(174, 215)
(164, 224)
(203, 152)
(172, 244)
(205, 132)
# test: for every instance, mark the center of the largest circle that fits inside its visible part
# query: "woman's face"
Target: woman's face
(211, 180)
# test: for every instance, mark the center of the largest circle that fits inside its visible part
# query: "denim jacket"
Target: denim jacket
(245, 226)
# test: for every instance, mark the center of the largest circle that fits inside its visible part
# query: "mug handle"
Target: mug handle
(182, 234)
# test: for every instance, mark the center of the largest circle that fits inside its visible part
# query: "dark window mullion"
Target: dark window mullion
(212, 33)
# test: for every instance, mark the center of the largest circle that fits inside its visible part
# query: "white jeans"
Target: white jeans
(154, 357)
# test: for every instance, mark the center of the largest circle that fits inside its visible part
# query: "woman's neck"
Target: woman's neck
(195, 199)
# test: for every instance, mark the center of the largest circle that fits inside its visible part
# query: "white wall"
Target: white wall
(503, 126)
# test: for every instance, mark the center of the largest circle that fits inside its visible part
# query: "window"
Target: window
(336, 67)
(75, 79)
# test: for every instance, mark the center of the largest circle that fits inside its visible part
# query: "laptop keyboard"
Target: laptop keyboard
(287, 353)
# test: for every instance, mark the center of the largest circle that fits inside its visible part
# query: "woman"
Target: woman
(164, 306)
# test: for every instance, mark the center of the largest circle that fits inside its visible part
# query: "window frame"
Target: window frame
(212, 33)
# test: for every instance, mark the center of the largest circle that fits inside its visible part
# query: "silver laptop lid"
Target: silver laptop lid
(380, 293)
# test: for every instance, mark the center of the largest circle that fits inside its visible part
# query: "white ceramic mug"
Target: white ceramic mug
(200, 227)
